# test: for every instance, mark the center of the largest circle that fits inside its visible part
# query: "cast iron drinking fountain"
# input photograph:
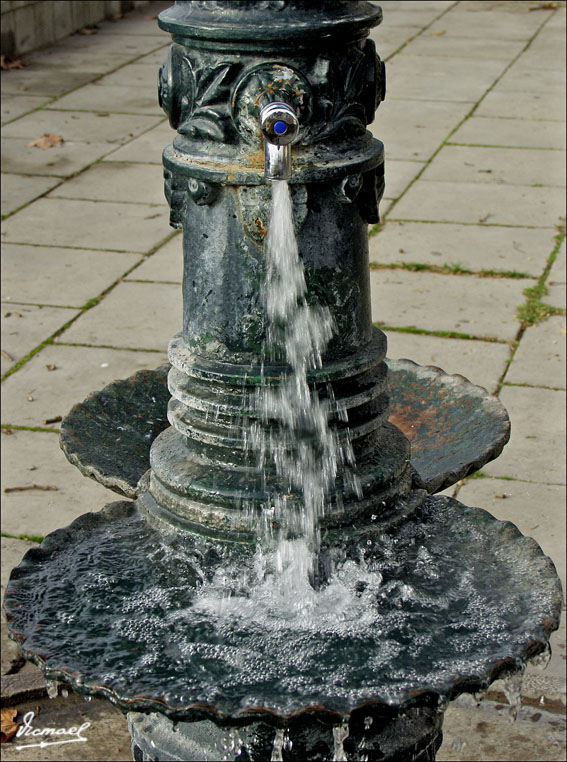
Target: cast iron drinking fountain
(285, 584)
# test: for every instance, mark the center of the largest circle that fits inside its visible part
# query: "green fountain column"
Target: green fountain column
(227, 61)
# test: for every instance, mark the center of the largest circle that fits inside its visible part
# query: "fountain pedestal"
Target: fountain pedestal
(225, 64)
(151, 603)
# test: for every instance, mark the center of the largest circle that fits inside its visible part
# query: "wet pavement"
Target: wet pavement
(467, 269)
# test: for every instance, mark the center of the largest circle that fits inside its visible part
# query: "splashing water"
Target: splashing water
(512, 686)
(277, 748)
(340, 734)
(293, 432)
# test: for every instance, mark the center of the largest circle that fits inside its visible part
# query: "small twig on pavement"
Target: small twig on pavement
(45, 487)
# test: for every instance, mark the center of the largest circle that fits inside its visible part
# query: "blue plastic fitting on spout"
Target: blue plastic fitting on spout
(279, 126)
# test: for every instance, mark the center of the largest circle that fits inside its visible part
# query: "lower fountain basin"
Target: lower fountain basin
(454, 427)
(443, 604)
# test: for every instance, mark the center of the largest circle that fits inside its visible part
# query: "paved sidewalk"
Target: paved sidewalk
(467, 268)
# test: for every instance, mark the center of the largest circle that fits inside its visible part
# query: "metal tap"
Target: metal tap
(279, 125)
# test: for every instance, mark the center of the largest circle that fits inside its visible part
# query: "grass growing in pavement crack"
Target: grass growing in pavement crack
(452, 269)
(534, 311)
(8, 428)
(30, 537)
(441, 334)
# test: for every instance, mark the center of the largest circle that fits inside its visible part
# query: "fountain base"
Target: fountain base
(412, 734)
(198, 629)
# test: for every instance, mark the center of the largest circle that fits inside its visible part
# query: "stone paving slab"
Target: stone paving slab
(509, 166)
(24, 327)
(154, 59)
(414, 5)
(119, 322)
(547, 49)
(474, 203)
(512, 133)
(556, 296)
(418, 18)
(535, 106)
(62, 161)
(138, 75)
(14, 106)
(78, 370)
(98, 53)
(101, 127)
(146, 149)
(35, 80)
(487, 733)
(115, 181)
(139, 23)
(432, 44)
(399, 175)
(474, 247)
(390, 39)
(91, 59)
(424, 128)
(18, 190)
(62, 281)
(483, 363)
(536, 451)
(38, 512)
(540, 357)
(439, 82)
(522, 78)
(89, 224)
(165, 265)
(505, 22)
(446, 303)
(113, 98)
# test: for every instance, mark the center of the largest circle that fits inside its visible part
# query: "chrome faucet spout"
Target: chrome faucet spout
(279, 125)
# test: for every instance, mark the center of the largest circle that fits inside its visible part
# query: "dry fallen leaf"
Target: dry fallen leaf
(51, 367)
(9, 724)
(564, 330)
(49, 140)
(88, 30)
(544, 7)
(8, 64)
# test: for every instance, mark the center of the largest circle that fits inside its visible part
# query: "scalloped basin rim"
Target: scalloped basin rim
(446, 512)
(454, 427)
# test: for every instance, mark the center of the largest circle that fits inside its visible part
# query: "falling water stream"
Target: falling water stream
(293, 432)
